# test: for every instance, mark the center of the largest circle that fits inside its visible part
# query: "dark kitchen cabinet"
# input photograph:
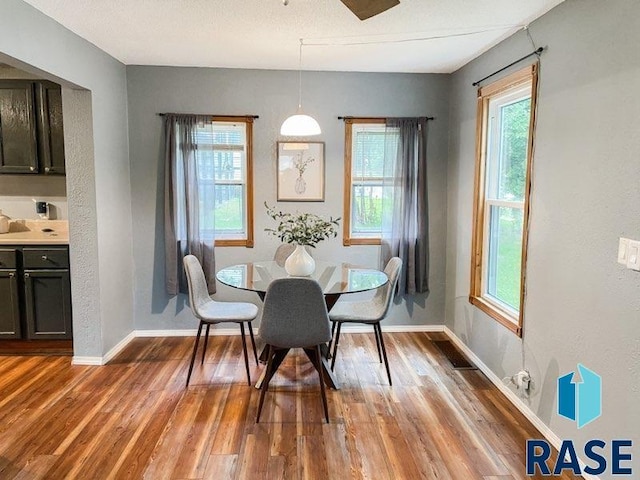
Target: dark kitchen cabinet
(50, 131)
(9, 299)
(31, 130)
(48, 304)
(35, 282)
(9, 294)
(18, 139)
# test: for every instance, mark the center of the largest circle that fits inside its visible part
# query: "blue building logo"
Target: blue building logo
(580, 398)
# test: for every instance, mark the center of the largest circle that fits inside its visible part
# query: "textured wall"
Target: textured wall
(35, 43)
(581, 306)
(273, 96)
(85, 287)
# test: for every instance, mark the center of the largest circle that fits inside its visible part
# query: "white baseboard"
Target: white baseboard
(118, 348)
(233, 331)
(517, 402)
(185, 332)
(236, 331)
(361, 328)
(77, 360)
(408, 328)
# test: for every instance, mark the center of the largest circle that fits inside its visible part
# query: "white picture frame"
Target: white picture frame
(300, 171)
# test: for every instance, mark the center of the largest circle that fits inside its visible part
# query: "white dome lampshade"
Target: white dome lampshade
(300, 125)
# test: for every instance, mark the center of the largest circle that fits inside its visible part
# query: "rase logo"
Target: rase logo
(580, 400)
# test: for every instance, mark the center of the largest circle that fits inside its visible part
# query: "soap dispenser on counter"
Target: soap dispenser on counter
(4, 223)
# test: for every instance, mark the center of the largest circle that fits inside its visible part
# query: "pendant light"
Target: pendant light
(300, 125)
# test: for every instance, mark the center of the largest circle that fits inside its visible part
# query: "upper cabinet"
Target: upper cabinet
(18, 140)
(51, 134)
(31, 133)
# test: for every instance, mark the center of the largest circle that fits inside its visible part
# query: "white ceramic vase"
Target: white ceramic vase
(300, 263)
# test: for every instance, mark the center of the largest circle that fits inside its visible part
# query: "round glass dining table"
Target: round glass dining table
(335, 279)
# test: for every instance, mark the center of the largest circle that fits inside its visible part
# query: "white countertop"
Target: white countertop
(30, 232)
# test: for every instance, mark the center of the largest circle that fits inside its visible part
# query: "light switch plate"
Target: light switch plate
(633, 255)
(623, 249)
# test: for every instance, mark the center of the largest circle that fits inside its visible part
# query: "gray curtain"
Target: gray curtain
(181, 203)
(405, 216)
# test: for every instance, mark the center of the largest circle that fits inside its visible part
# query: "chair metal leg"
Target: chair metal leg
(335, 346)
(253, 342)
(193, 355)
(206, 342)
(244, 349)
(322, 389)
(265, 383)
(333, 335)
(384, 351)
(375, 331)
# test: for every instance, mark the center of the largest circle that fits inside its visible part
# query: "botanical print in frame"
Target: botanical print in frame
(300, 171)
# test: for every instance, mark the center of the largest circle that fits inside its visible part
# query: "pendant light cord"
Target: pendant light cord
(300, 78)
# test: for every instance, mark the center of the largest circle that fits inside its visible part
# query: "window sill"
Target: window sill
(234, 243)
(360, 241)
(503, 317)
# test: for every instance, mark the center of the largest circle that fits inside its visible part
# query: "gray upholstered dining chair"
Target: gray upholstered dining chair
(210, 312)
(371, 312)
(294, 315)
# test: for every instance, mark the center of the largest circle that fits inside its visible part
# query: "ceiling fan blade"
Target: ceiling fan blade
(364, 9)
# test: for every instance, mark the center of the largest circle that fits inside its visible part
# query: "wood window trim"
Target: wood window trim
(249, 240)
(347, 239)
(476, 298)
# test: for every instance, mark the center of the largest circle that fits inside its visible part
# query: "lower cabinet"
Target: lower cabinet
(10, 310)
(48, 304)
(39, 292)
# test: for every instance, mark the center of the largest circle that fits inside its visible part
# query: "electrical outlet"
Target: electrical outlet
(633, 255)
(623, 250)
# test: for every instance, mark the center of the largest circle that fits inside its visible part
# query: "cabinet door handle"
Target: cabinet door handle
(32, 168)
(46, 169)
(44, 257)
(26, 275)
(11, 275)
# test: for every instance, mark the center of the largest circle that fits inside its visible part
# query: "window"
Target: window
(506, 113)
(224, 157)
(366, 140)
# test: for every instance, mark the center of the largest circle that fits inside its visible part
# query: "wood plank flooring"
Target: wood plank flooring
(134, 419)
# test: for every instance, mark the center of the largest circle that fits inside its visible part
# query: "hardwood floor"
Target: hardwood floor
(134, 419)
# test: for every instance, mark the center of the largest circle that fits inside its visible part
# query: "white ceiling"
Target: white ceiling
(265, 33)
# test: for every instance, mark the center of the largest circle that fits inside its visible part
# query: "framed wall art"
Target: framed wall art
(300, 169)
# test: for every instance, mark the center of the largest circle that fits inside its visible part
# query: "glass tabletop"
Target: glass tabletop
(334, 278)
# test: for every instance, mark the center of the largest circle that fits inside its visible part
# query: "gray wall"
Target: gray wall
(98, 179)
(581, 306)
(273, 96)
